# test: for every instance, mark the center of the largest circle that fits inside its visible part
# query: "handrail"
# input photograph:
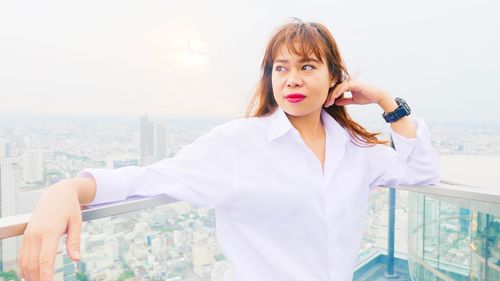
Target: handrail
(456, 190)
(15, 225)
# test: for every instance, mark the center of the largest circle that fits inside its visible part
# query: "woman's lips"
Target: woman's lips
(294, 98)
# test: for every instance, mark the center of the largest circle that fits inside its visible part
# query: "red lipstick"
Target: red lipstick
(295, 97)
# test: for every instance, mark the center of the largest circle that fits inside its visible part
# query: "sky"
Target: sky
(202, 57)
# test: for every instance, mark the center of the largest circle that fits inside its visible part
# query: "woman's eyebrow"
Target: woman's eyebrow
(302, 60)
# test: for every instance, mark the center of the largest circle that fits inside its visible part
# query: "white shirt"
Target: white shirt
(279, 217)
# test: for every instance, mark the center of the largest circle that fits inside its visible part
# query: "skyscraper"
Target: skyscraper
(2, 148)
(10, 180)
(33, 166)
(153, 141)
(160, 142)
(147, 143)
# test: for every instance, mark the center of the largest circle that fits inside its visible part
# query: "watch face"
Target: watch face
(403, 105)
(402, 110)
(406, 107)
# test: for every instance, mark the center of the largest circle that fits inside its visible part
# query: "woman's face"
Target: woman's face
(298, 76)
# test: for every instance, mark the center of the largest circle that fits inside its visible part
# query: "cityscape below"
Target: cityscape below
(176, 241)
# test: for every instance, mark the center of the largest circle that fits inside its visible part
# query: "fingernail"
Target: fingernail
(76, 254)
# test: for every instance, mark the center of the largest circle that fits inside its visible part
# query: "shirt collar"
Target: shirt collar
(280, 125)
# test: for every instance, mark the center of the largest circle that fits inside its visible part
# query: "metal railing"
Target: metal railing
(469, 196)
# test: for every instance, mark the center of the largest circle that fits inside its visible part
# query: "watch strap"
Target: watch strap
(400, 112)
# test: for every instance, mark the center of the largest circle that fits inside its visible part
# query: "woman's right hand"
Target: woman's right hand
(57, 212)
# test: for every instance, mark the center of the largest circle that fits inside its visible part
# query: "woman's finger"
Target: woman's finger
(73, 238)
(332, 98)
(339, 90)
(342, 88)
(344, 101)
(34, 252)
(329, 100)
(23, 258)
(47, 257)
(351, 85)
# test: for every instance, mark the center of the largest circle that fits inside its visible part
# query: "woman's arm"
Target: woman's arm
(57, 212)
(363, 93)
(403, 126)
(201, 173)
(413, 161)
(86, 188)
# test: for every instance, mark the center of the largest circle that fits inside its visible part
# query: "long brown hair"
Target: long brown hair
(312, 38)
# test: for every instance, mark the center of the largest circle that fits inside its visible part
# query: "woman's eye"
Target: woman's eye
(279, 68)
(308, 67)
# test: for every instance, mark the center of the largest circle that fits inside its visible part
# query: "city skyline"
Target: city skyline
(170, 240)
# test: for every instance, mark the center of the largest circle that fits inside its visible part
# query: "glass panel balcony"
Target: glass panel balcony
(451, 232)
(453, 239)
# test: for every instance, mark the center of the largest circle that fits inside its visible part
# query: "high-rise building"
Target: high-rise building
(147, 142)
(10, 181)
(3, 152)
(33, 166)
(160, 142)
(153, 141)
(14, 144)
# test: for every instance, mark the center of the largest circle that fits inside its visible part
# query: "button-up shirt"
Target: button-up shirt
(280, 215)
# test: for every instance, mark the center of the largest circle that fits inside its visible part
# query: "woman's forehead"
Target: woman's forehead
(286, 54)
(301, 51)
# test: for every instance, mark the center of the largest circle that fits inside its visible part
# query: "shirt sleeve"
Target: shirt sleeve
(201, 173)
(413, 161)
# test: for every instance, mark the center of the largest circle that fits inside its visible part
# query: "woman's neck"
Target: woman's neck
(309, 126)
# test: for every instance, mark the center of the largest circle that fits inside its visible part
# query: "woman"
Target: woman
(289, 183)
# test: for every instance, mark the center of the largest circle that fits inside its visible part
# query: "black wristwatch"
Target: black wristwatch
(400, 112)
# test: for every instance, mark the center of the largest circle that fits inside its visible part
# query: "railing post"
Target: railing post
(391, 229)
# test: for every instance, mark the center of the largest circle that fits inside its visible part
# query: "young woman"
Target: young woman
(289, 183)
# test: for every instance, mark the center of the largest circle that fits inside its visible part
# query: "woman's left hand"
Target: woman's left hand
(361, 94)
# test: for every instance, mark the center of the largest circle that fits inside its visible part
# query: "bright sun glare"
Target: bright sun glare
(191, 53)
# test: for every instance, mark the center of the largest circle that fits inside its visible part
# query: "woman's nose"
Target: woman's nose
(294, 80)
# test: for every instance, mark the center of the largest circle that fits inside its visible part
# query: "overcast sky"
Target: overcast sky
(202, 57)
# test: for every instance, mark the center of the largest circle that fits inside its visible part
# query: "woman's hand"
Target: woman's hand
(361, 94)
(58, 212)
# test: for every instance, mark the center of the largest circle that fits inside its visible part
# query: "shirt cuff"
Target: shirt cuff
(405, 146)
(108, 187)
